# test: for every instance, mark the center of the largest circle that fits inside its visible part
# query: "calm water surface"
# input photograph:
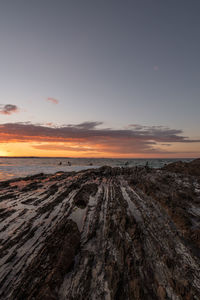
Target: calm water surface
(20, 167)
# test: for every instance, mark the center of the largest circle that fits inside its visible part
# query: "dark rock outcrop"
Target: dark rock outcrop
(108, 233)
(190, 168)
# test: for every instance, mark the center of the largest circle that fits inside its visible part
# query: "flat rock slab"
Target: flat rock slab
(107, 233)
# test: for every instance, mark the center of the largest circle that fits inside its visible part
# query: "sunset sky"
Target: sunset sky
(100, 78)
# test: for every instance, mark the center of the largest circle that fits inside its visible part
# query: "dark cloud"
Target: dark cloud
(87, 125)
(8, 109)
(135, 139)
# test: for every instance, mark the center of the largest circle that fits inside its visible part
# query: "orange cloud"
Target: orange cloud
(52, 100)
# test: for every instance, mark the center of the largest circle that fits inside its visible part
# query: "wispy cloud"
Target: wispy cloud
(52, 100)
(156, 68)
(88, 136)
(8, 109)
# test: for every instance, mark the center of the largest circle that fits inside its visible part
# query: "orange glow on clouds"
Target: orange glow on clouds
(85, 140)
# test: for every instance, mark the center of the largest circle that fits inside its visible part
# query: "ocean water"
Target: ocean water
(21, 167)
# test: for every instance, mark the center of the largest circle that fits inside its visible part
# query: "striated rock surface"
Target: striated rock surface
(107, 233)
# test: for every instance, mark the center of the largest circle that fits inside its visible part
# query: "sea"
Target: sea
(11, 167)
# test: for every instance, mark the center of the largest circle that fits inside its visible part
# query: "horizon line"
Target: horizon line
(101, 157)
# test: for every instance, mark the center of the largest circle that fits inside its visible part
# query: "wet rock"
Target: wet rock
(107, 233)
(82, 197)
(45, 274)
(191, 168)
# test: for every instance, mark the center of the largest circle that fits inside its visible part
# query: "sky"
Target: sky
(100, 78)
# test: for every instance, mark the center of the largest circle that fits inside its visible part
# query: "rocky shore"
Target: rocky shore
(107, 233)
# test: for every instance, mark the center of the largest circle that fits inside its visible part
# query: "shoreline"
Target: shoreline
(15, 168)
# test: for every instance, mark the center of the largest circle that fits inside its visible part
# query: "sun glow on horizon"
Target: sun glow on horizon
(27, 149)
(3, 153)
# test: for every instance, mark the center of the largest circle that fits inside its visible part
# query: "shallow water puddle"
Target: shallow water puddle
(78, 216)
